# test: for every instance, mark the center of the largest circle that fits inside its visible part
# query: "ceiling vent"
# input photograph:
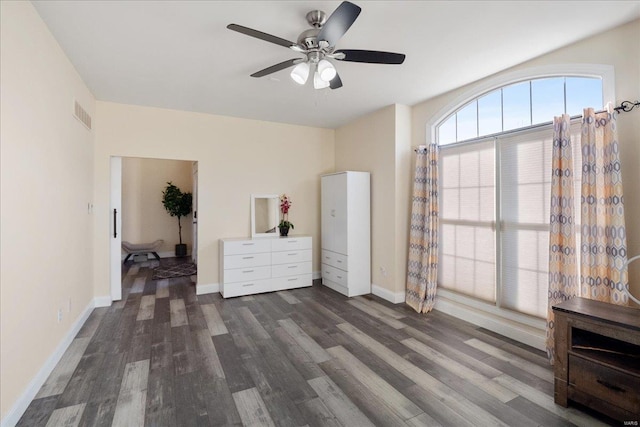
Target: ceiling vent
(81, 114)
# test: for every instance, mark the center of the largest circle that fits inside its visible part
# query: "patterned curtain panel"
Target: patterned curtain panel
(422, 266)
(604, 241)
(563, 268)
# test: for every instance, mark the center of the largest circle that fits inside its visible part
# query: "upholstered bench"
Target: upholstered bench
(141, 248)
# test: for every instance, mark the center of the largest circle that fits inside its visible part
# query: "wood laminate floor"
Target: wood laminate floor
(165, 357)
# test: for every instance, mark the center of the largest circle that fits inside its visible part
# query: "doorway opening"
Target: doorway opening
(144, 230)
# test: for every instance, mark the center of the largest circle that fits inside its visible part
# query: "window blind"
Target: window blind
(525, 192)
(470, 184)
(467, 220)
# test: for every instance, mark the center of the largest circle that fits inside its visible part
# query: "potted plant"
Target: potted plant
(285, 225)
(177, 204)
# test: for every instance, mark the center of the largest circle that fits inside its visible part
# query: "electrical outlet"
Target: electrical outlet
(59, 315)
(383, 271)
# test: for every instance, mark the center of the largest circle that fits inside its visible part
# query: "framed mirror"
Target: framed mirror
(265, 209)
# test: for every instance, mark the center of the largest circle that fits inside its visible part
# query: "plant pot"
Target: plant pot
(181, 249)
(284, 231)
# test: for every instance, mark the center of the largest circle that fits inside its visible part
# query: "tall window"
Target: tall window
(495, 175)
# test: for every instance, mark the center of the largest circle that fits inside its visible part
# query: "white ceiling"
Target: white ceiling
(179, 54)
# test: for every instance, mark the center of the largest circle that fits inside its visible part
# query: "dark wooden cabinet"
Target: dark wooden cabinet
(598, 357)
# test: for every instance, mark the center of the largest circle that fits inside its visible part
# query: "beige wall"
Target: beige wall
(379, 143)
(46, 185)
(144, 218)
(619, 47)
(236, 157)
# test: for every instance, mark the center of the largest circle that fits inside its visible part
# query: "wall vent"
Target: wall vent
(80, 114)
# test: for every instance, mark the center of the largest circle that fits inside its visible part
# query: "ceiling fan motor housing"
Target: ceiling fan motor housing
(309, 38)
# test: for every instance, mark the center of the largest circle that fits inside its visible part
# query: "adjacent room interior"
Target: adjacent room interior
(377, 228)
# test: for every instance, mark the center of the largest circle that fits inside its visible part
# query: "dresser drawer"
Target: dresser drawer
(245, 274)
(291, 282)
(334, 274)
(602, 382)
(247, 288)
(247, 260)
(283, 270)
(288, 257)
(290, 244)
(334, 259)
(236, 247)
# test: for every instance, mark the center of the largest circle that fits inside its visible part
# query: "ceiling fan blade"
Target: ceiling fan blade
(281, 66)
(336, 82)
(339, 22)
(370, 56)
(260, 35)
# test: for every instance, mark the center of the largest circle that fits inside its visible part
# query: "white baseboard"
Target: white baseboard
(21, 405)
(316, 275)
(527, 334)
(386, 294)
(210, 288)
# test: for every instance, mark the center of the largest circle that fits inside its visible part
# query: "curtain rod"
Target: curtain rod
(625, 106)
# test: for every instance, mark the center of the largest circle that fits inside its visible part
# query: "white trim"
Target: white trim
(603, 71)
(103, 301)
(386, 294)
(210, 288)
(522, 328)
(21, 405)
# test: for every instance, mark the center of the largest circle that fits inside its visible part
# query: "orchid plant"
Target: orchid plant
(285, 205)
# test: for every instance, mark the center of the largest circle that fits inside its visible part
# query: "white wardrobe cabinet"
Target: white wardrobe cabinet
(346, 232)
(252, 266)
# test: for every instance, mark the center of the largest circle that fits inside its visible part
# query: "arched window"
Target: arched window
(520, 105)
(495, 175)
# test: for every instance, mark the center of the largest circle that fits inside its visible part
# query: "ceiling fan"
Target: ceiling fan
(318, 46)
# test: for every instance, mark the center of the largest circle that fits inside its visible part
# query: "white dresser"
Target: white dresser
(346, 232)
(253, 266)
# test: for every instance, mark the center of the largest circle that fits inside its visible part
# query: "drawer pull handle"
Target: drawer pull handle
(292, 280)
(247, 271)
(247, 244)
(247, 257)
(247, 284)
(293, 266)
(327, 257)
(293, 241)
(610, 386)
(339, 277)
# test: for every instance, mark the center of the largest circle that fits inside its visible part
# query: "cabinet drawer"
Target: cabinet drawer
(291, 282)
(247, 260)
(247, 288)
(244, 274)
(336, 287)
(235, 247)
(334, 259)
(290, 244)
(611, 385)
(294, 269)
(334, 274)
(289, 257)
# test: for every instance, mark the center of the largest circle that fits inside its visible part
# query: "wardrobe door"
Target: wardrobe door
(326, 206)
(340, 231)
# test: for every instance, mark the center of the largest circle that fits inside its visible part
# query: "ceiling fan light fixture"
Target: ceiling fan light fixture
(318, 83)
(300, 73)
(326, 70)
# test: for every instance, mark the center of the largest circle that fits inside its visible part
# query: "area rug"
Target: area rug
(171, 271)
